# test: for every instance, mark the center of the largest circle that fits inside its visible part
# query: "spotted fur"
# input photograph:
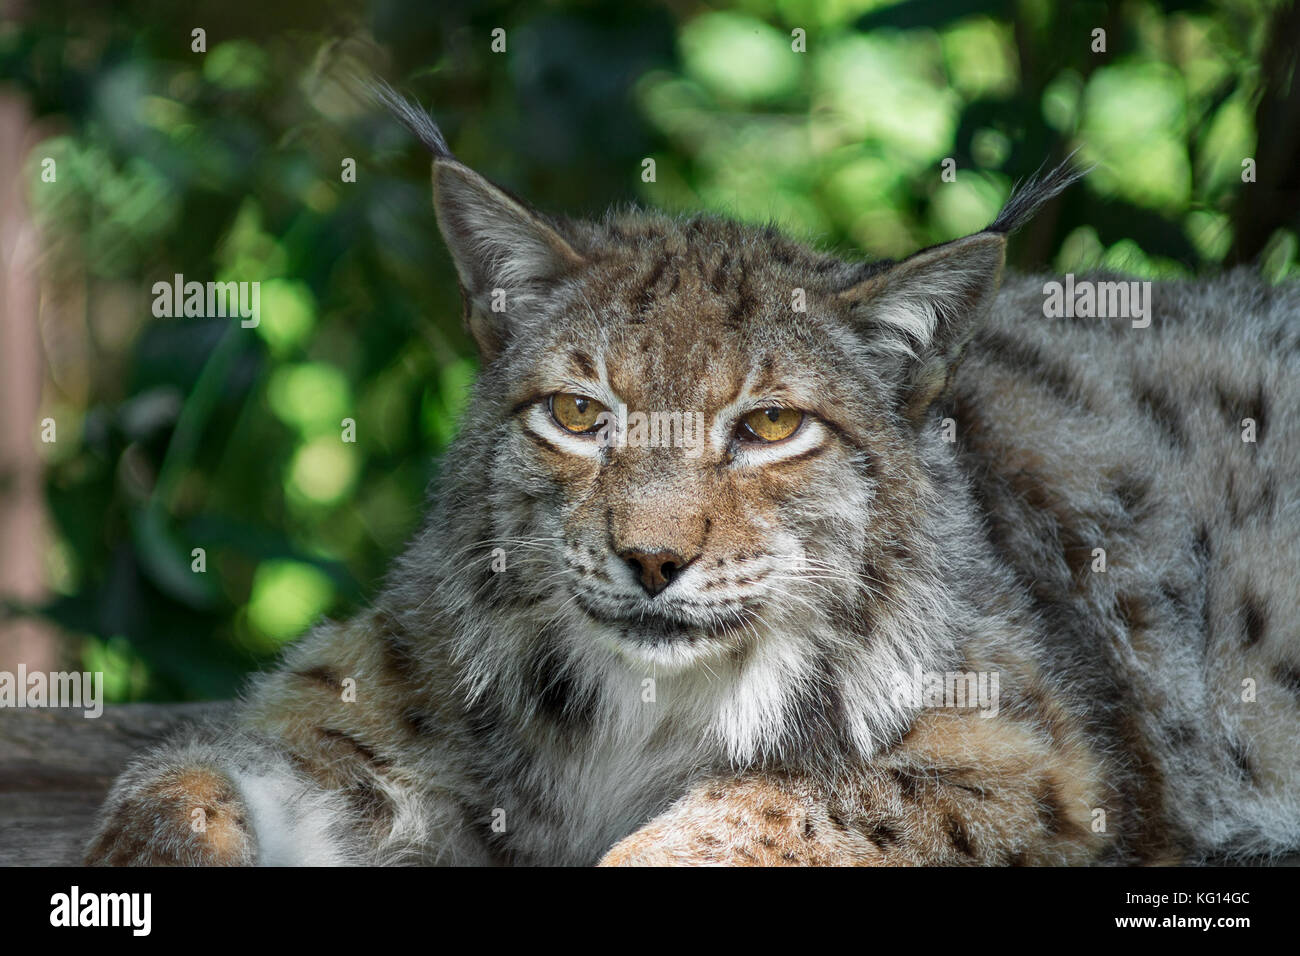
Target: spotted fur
(517, 696)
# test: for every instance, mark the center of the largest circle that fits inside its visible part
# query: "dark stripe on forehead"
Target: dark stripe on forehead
(582, 365)
(644, 295)
(743, 306)
(677, 280)
(719, 278)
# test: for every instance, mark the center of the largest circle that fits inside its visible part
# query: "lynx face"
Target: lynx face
(705, 433)
(748, 502)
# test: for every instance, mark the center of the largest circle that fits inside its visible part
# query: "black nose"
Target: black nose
(656, 570)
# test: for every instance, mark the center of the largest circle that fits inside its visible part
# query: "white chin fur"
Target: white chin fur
(662, 657)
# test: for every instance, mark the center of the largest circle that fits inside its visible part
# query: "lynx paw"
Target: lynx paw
(747, 822)
(185, 816)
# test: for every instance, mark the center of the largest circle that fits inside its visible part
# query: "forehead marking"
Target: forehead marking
(743, 306)
(582, 364)
(644, 296)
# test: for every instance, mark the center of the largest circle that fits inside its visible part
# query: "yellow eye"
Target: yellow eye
(770, 424)
(576, 413)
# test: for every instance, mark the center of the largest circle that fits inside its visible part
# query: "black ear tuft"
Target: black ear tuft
(1031, 194)
(410, 115)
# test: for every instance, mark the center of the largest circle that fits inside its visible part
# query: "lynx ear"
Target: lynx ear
(504, 252)
(925, 309)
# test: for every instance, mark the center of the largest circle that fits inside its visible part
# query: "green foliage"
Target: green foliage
(177, 434)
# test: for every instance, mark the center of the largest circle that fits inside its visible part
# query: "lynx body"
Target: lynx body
(614, 648)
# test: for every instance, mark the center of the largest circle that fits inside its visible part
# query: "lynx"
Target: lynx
(950, 580)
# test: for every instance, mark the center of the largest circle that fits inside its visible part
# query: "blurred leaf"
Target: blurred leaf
(168, 562)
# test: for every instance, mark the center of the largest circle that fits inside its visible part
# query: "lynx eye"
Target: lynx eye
(770, 424)
(576, 413)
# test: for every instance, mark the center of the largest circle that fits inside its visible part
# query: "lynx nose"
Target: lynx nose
(656, 570)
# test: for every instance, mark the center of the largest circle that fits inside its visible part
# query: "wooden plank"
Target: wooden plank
(57, 765)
